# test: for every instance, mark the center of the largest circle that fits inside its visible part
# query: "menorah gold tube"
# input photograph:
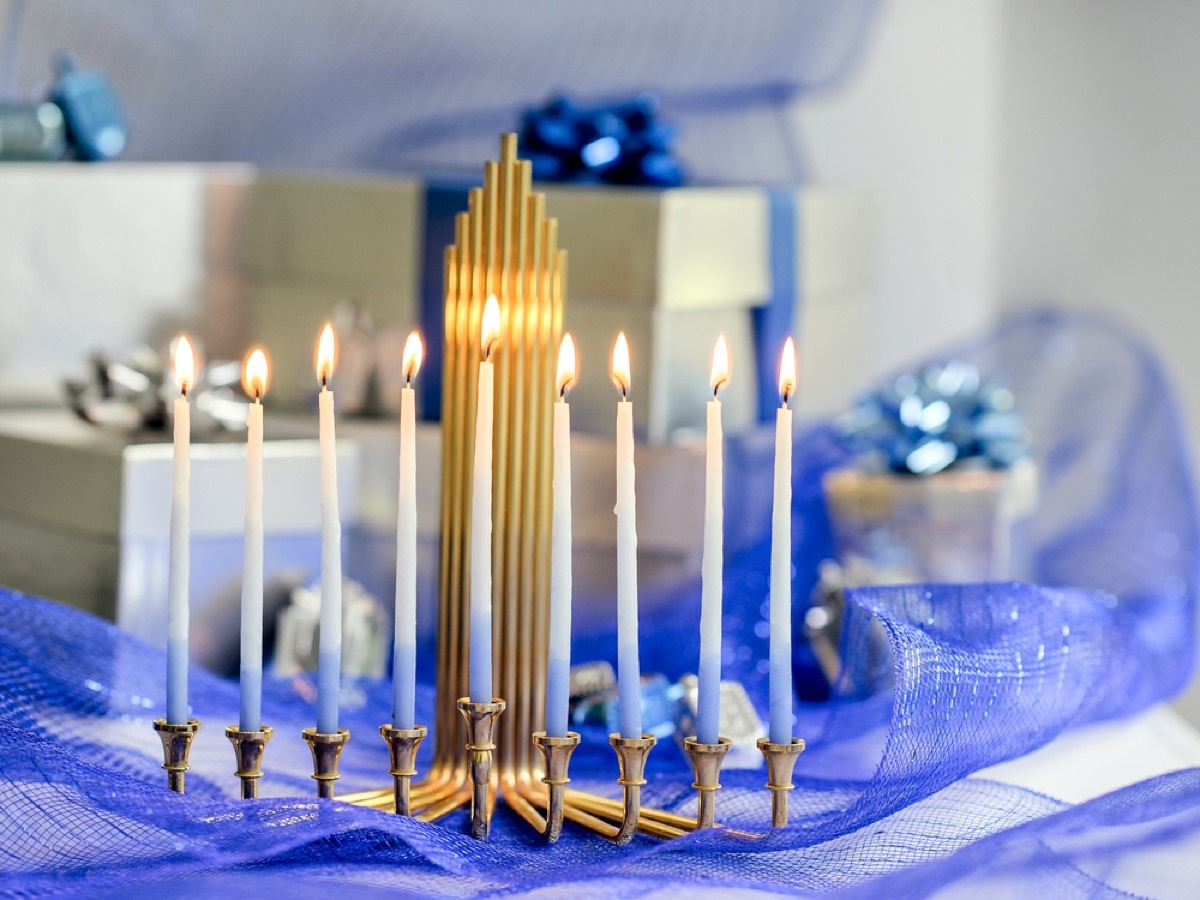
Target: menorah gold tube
(706, 763)
(326, 751)
(781, 761)
(631, 757)
(557, 753)
(248, 748)
(402, 745)
(481, 724)
(177, 744)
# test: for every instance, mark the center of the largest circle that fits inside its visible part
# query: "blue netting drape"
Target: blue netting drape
(884, 802)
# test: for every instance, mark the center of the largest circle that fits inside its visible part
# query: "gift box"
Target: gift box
(958, 526)
(84, 514)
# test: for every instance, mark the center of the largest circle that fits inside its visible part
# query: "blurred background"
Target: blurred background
(974, 158)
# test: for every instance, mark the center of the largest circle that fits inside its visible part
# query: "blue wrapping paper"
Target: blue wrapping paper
(884, 803)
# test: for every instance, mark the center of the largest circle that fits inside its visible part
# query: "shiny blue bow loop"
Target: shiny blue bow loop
(940, 416)
(624, 143)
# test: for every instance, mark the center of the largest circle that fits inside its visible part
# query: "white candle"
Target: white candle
(780, 688)
(558, 679)
(255, 383)
(329, 651)
(708, 702)
(178, 549)
(404, 652)
(629, 681)
(480, 652)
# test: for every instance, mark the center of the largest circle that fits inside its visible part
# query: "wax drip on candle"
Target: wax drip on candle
(178, 564)
(558, 672)
(404, 652)
(255, 375)
(329, 653)
(479, 668)
(708, 701)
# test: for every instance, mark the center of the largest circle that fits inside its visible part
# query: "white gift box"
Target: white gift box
(84, 515)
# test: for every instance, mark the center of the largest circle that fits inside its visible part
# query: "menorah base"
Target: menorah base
(177, 744)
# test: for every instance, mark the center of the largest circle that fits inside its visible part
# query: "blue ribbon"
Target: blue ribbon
(774, 320)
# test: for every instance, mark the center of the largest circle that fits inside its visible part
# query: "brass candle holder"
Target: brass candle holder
(506, 246)
(631, 758)
(706, 762)
(481, 722)
(177, 744)
(556, 754)
(326, 751)
(402, 745)
(248, 748)
(781, 761)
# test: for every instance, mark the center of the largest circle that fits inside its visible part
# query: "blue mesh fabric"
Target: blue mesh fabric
(884, 802)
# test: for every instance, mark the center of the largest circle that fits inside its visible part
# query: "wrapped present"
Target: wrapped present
(84, 513)
(674, 268)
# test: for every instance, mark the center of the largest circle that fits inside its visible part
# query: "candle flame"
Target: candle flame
(787, 371)
(185, 364)
(414, 352)
(720, 365)
(566, 366)
(326, 353)
(255, 374)
(620, 365)
(490, 326)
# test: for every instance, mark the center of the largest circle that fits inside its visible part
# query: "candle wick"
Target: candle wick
(562, 392)
(324, 382)
(183, 390)
(624, 394)
(258, 395)
(408, 379)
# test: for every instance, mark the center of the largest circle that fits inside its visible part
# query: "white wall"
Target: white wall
(1100, 167)
(918, 125)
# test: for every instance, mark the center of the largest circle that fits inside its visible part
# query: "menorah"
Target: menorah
(506, 247)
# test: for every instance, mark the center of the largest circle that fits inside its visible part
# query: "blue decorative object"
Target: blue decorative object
(96, 128)
(938, 417)
(884, 804)
(624, 143)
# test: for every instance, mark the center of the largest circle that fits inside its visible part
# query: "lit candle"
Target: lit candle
(254, 380)
(329, 651)
(178, 550)
(708, 703)
(558, 683)
(404, 651)
(629, 680)
(780, 691)
(480, 662)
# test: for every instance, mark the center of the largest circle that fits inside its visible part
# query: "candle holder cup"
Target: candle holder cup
(706, 763)
(402, 745)
(177, 744)
(481, 723)
(249, 748)
(781, 761)
(326, 751)
(631, 757)
(557, 754)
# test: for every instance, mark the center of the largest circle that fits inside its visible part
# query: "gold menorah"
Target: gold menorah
(506, 247)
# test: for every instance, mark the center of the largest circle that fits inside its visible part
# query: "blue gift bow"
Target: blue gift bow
(773, 321)
(940, 416)
(620, 143)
